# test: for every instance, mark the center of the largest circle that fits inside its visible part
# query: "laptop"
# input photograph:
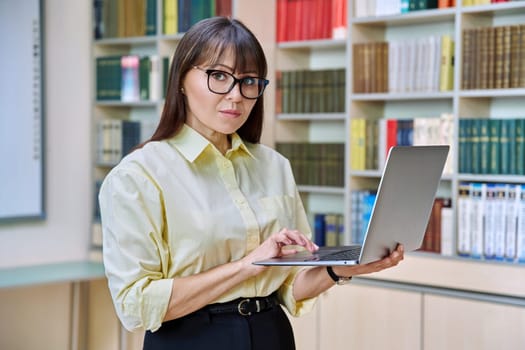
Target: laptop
(400, 214)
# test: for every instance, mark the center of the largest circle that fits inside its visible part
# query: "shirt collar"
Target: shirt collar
(191, 144)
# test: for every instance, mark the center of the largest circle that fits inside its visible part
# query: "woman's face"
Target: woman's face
(215, 115)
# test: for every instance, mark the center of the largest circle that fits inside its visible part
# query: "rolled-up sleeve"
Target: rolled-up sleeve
(294, 307)
(135, 254)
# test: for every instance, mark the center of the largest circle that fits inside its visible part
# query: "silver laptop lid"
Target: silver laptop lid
(404, 200)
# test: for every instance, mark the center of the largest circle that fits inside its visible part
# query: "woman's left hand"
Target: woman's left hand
(389, 261)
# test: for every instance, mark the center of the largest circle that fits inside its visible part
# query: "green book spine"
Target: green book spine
(151, 17)
(285, 92)
(298, 91)
(512, 145)
(341, 90)
(475, 131)
(462, 142)
(165, 74)
(495, 126)
(484, 142)
(292, 91)
(144, 69)
(100, 64)
(114, 78)
(520, 146)
(505, 146)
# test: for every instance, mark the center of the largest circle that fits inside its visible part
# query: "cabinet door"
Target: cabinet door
(453, 323)
(364, 317)
(306, 331)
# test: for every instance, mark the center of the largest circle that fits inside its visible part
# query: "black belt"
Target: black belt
(244, 306)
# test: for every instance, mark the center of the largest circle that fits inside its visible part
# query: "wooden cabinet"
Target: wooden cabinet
(365, 317)
(459, 323)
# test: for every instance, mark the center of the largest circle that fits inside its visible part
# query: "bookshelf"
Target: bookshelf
(130, 66)
(334, 127)
(424, 100)
(454, 278)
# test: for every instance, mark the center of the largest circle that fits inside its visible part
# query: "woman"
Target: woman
(185, 215)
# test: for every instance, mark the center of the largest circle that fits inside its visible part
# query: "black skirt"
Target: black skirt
(229, 326)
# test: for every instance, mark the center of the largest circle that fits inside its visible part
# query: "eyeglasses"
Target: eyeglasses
(220, 82)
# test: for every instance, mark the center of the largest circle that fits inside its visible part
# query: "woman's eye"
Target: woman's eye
(219, 76)
(249, 81)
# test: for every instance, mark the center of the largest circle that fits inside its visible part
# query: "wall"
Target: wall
(64, 234)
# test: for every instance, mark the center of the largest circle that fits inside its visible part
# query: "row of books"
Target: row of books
(491, 221)
(118, 18)
(131, 78)
(180, 15)
(117, 137)
(484, 2)
(311, 19)
(493, 57)
(310, 91)
(328, 229)
(373, 8)
(371, 139)
(400, 66)
(315, 164)
(362, 202)
(439, 232)
(492, 146)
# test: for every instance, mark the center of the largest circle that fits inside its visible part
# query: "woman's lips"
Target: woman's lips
(232, 113)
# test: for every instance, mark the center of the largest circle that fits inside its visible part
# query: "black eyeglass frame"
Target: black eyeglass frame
(209, 72)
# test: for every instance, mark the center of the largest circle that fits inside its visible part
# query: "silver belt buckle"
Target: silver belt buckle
(241, 303)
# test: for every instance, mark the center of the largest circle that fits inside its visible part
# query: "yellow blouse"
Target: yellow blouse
(179, 207)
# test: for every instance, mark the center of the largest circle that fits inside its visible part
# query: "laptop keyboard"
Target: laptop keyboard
(352, 253)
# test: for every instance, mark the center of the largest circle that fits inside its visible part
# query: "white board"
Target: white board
(21, 110)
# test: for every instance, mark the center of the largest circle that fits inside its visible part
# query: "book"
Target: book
(224, 8)
(341, 229)
(478, 194)
(319, 229)
(505, 146)
(446, 81)
(299, 20)
(446, 137)
(475, 146)
(463, 144)
(520, 235)
(520, 146)
(170, 16)
(494, 146)
(358, 143)
(511, 224)
(432, 237)
(484, 145)
(151, 17)
(447, 228)
(331, 230)
(515, 55)
(130, 78)
(464, 245)
(144, 75)
(154, 78)
(108, 78)
(499, 220)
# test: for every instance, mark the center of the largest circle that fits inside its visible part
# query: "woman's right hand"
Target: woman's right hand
(279, 244)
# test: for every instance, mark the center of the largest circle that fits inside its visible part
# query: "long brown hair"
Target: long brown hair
(206, 41)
